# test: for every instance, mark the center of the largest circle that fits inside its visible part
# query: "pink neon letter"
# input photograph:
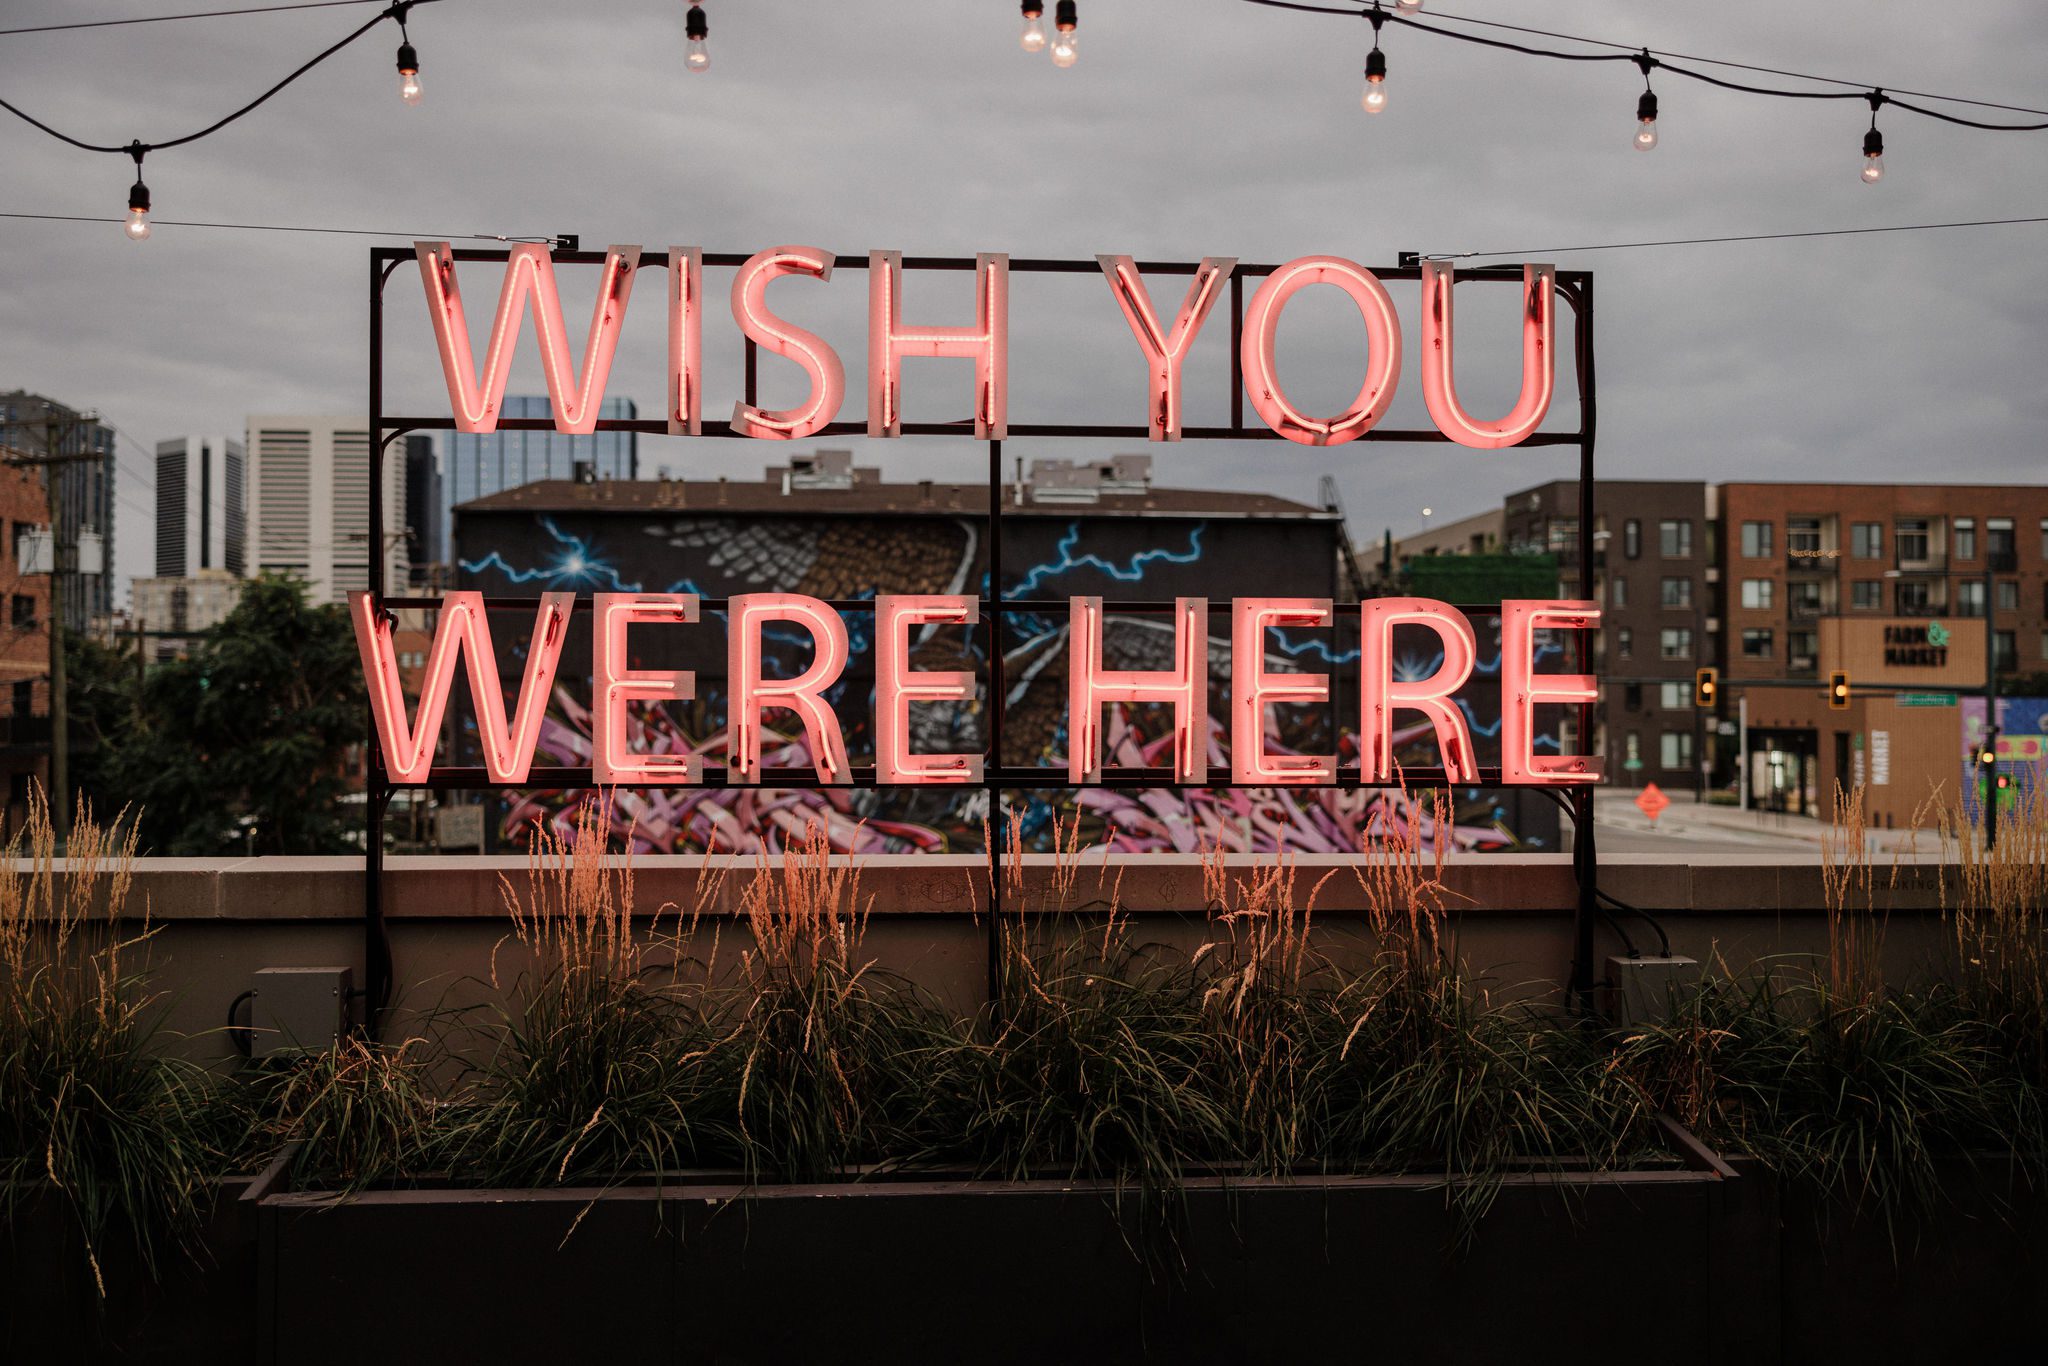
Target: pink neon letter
(465, 630)
(1165, 351)
(612, 756)
(1089, 685)
(820, 361)
(685, 341)
(1522, 688)
(1382, 694)
(987, 344)
(530, 268)
(897, 685)
(1439, 385)
(802, 694)
(1252, 690)
(1383, 350)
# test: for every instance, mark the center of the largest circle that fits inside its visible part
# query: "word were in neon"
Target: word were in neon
(576, 393)
(462, 638)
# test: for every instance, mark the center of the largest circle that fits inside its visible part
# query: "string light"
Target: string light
(1066, 47)
(1033, 38)
(137, 224)
(1646, 107)
(1407, 6)
(1873, 142)
(696, 28)
(408, 62)
(1374, 100)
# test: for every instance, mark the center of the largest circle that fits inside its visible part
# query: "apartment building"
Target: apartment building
(309, 503)
(1656, 577)
(42, 427)
(201, 506)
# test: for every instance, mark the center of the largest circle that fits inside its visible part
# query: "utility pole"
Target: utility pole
(53, 463)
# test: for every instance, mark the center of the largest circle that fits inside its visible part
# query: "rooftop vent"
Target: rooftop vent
(1065, 481)
(817, 470)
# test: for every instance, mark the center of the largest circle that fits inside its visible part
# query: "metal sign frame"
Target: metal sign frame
(1573, 286)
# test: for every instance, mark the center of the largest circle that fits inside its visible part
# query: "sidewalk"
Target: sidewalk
(1616, 807)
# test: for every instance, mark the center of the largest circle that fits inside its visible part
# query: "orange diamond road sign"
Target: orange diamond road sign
(1652, 801)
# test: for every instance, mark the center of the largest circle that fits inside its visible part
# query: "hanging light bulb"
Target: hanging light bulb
(1375, 99)
(1033, 39)
(1066, 47)
(696, 28)
(1646, 122)
(1407, 6)
(1873, 142)
(137, 224)
(408, 74)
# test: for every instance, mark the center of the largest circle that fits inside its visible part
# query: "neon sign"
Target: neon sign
(575, 395)
(462, 630)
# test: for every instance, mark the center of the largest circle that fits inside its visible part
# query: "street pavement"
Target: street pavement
(1705, 828)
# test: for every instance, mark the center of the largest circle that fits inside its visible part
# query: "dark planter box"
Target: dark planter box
(196, 1308)
(954, 1271)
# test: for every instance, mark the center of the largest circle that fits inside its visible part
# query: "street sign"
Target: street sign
(1927, 699)
(1652, 801)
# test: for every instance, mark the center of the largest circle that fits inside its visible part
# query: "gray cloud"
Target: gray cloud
(1188, 128)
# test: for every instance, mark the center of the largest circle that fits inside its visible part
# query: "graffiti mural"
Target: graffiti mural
(2022, 748)
(640, 537)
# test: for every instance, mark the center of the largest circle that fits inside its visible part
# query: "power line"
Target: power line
(292, 227)
(167, 18)
(1744, 237)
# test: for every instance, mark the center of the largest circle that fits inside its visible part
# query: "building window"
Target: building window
(2005, 650)
(2044, 538)
(1756, 540)
(1676, 749)
(2044, 645)
(2000, 542)
(1674, 540)
(1965, 543)
(1866, 540)
(25, 693)
(1677, 593)
(2008, 595)
(1802, 538)
(1675, 642)
(1913, 597)
(1617, 593)
(1969, 598)
(24, 612)
(1562, 535)
(1866, 595)
(1803, 598)
(1803, 647)
(1632, 748)
(1674, 696)
(1624, 642)
(1912, 540)
(1756, 643)
(1756, 594)
(1632, 537)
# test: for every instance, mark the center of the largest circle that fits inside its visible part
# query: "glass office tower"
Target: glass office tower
(481, 464)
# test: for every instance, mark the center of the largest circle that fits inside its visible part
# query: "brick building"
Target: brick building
(24, 644)
(1655, 574)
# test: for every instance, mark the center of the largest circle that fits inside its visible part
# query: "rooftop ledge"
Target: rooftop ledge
(468, 887)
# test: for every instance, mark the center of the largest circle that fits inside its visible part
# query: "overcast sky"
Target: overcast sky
(1188, 128)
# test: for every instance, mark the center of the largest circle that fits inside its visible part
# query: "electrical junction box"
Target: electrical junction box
(1648, 990)
(297, 1010)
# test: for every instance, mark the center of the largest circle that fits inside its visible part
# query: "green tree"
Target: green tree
(102, 685)
(251, 730)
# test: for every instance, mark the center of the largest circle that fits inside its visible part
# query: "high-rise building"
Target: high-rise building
(480, 464)
(200, 509)
(37, 426)
(425, 544)
(309, 504)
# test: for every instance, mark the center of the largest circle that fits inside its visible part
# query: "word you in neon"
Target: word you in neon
(576, 393)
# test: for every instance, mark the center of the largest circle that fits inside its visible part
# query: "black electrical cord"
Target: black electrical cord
(395, 11)
(1543, 252)
(168, 18)
(242, 1036)
(558, 240)
(1379, 15)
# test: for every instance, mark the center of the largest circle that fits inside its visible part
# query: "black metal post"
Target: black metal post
(1588, 862)
(1990, 701)
(992, 782)
(377, 966)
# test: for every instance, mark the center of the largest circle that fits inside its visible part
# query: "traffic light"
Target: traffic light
(1706, 688)
(1838, 690)
(2003, 781)
(1988, 757)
